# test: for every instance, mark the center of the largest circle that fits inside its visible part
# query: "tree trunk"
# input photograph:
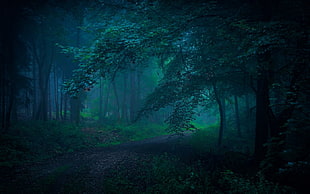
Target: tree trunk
(221, 105)
(35, 90)
(133, 96)
(10, 108)
(3, 97)
(62, 100)
(56, 95)
(107, 96)
(262, 107)
(75, 108)
(248, 114)
(43, 58)
(65, 107)
(116, 100)
(76, 104)
(49, 101)
(8, 18)
(100, 100)
(125, 97)
(237, 116)
(265, 68)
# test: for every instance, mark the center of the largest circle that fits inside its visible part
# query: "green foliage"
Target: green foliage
(167, 174)
(120, 133)
(28, 141)
(58, 181)
(205, 140)
(31, 141)
(233, 183)
(162, 174)
(45, 184)
(123, 43)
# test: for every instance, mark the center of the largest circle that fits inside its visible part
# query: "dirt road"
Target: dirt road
(89, 167)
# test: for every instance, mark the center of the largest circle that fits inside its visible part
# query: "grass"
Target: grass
(30, 141)
(36, 140)
(33, 141)
(120, 133)
(46, 184)
(205, 140)
(168, 174)
(160, 174)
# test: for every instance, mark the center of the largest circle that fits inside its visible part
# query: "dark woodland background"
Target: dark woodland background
(232, 75)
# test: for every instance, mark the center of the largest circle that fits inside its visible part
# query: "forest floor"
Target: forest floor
(57, 157)
(84, 171)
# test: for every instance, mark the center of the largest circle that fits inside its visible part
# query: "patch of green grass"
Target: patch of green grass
(162, 174)
(167, 174)
(109, 144)
(230, 182)
(142, 131)
(120, 133)
(36, 140)
(47, 183)
(75, 183)
(205, 139)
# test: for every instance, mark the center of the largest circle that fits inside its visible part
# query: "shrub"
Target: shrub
(35, 140)
(233, 183)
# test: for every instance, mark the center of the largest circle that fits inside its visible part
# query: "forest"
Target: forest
(155, 96)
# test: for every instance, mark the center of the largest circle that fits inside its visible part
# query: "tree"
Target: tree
(13, 79)
(271, 37)
(206, 55)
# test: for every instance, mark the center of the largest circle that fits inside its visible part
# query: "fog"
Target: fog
(154, 96)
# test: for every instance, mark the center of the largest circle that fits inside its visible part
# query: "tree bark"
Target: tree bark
(56, 95)
(44, 63)
(116, 100)
(76, 103)
(237, 116)
(100, 100)
(133, 96)
(125, 97)
(8, 18)
(75, 107)
(107, 98)
(221, 106)
(262, 108)
(65, 107)
(265, 67)
(248, 117)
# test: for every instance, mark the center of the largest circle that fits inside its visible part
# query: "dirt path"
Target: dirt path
(90, 166)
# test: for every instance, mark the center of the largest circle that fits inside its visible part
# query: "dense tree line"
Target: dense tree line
(201, 54)
(213, 52)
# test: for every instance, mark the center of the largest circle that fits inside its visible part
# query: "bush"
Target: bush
(162, 174)
(234, 183)
(35, 140)
(205, 139)
(120, 133)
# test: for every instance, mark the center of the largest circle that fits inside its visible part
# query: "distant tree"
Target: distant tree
(274, 39)
(12, 62)
(207, 55)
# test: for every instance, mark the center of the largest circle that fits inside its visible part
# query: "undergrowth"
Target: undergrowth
(30, 141)
(161, 174)
(36, 140)
(125, 133)
(205, 140)
(167, 174)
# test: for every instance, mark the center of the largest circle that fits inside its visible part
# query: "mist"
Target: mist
(154, 96)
